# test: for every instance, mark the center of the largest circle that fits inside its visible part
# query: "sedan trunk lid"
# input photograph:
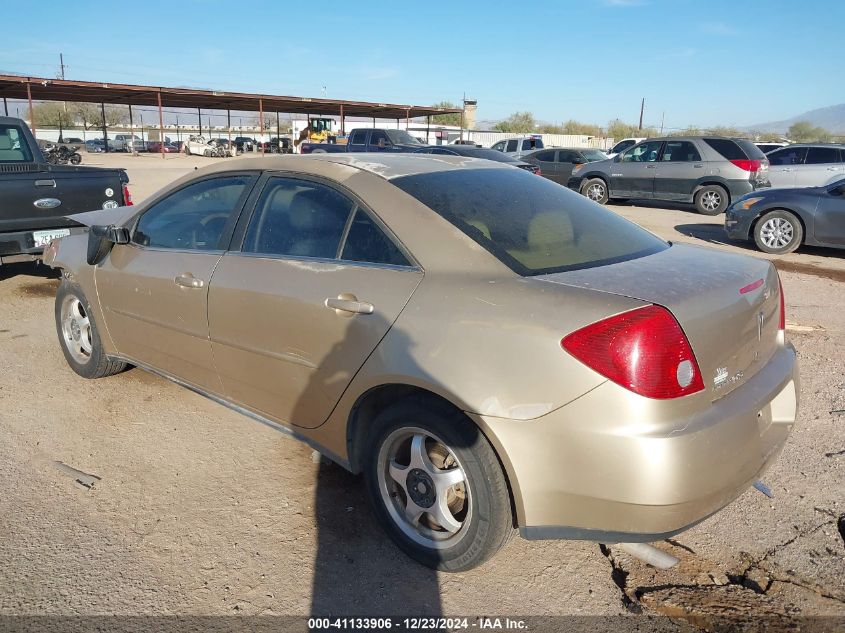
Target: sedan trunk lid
(728, 305)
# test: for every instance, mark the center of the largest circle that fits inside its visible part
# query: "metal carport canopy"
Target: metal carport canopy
(46, 89)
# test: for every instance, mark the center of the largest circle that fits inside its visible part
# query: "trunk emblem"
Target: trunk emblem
(723, 379)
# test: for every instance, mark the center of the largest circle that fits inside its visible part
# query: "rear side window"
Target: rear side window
(511, 145)
(366, 242)
(530, 224)
(13, 147)
(546, 157)
(730, 149)
(679, 151)
(568, 156)
(359, 137)
(821, 155)
(297, 218)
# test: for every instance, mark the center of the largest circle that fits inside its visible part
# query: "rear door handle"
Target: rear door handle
(45, 183)
(834, 169)
(651, 166)
(189, 281)
(349, 304)
(698, 166)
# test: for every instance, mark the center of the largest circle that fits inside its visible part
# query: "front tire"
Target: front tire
(78, 334)
(778, 233)
(436, 485)
(596, 190)
(711, 200)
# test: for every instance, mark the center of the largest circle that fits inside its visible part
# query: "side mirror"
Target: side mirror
(617, 158)
(101, 239)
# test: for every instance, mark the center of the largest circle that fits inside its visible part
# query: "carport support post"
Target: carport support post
(261, 123)
(31, 114)
(342, 122)
(407, 119)
(278, 134)
(105, 128)
(6, 106)
(229, 128)
(428, 129)
(131, 130)
(160, 125)
(199, 120)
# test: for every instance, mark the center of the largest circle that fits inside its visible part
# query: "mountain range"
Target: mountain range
(831, 118)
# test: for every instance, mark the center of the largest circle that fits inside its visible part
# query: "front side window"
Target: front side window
(787, 156)
(821, 156)
(401, 137)
(643, 153)
(530, 224)
(568, 156)
(366, 242)
(298, 218)
(379, 135)
(499, 147)
(194, 217)
(545, 157)
(13, 147)
(621, 146)
(680, 152)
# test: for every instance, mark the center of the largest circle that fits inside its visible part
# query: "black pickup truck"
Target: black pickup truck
(367, 140)
(35, 196)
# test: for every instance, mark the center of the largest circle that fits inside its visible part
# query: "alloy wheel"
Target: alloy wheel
(424, 487)
(595, 192)
(76, 329)
(711, 200)
(776, 233)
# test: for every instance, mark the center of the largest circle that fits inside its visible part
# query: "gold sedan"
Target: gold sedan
(489, 349)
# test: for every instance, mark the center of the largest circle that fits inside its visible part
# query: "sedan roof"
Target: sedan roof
(388, 166)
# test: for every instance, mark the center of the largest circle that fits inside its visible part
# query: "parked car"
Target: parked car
(128, 143)
(38, 196)
(769, 146)
(459, 141)
(708, 171)
(72, 140)
(781, 220)
(477, 152)
(278, 146)
(155, 146)
(97, 145)
(517, 147)
(625, 143)
(366, 140)
(244, 143)
(487, 348)
(805, 165)
(557, 164)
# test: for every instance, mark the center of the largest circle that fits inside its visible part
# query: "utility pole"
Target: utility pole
(463, 111)
(61, 66)
(642, 109)
(662, 119)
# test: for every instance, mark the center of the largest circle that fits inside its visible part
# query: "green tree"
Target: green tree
(618, 130)
(804, 132)
(518, 122)
(50, 114)
(576, 127)
(90, 115)
(453, 118)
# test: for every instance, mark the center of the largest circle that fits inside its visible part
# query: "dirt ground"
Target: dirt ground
(193, 509)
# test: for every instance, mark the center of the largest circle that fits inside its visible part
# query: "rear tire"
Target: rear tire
(78, 334)
(778, 233)
(436, 485)
(711, 200)
(596, 190)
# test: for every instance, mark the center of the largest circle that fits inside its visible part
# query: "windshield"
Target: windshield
(532, 225)
(401, 137)
(593, 154)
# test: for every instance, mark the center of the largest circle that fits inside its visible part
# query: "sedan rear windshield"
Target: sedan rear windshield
(530, 224)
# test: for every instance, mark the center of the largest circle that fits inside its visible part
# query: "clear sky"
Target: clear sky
(702, 62)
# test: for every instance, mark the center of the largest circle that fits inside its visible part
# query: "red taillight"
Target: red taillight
(748, 165)
(127, 197)
(782, 306)
(537, 171)
(644, 350)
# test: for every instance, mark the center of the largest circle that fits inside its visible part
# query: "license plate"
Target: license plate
(42, 238)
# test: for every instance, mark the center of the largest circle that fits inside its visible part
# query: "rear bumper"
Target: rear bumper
(18, 246)
(612, 466)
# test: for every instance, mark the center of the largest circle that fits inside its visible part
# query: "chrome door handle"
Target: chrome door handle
(45, 183)
(349, 304)
(834, 168)
(651, 166)
(698, 166)
(189, 281)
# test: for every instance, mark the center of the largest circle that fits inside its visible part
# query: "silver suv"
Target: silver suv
(708, 171)
(806, 165)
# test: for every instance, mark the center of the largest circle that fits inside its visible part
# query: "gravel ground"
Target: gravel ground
(196, 510)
